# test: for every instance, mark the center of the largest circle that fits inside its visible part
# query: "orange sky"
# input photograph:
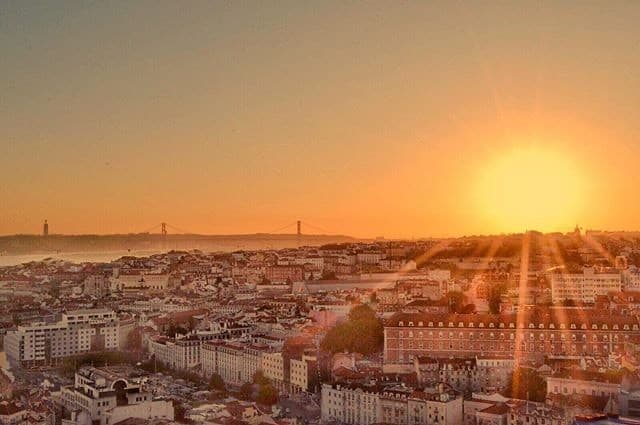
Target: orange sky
(378, 120)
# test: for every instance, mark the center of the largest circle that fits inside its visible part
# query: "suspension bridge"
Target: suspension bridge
(295, 227)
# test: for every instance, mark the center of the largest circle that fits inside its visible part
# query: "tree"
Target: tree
(267, 395)
(328, 275)
(246, 391)
(455, 299)
(216, 383)
(468, 309)
(134, 340)
(374, 297)
(191, 323)
(362, 333)
(362, 313)
(55, 291)
(179, 411)
(526, 384)
(495, 297)
(260, 379)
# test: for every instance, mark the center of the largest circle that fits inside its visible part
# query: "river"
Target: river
(76, 257)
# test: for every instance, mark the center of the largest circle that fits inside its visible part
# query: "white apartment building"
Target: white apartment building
(76, 333)
(178, 353)
(584, 287)
(209, 358)
(273, 368)
(349, 404)
(230, 363)
(301, 371)
(108, 395)
(362, 405)
(237, 363)
(369, 257)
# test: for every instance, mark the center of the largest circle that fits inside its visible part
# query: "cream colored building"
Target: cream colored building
(300, 373)
(237, 363)
(364, 405)
(78, 332)
(178, 353)
(584, 287)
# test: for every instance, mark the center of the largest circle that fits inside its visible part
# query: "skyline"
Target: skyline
(235, 118)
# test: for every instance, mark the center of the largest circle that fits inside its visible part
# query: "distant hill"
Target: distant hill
(36, 244)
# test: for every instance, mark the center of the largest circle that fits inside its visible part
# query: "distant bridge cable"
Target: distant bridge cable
(280, 229)
(319, 229)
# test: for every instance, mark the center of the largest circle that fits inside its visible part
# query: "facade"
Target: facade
(467, 375)
(364, 405)
(571, 382)
(524, 412)
(358, 405)
(76, 333)
(97, 286)
(106, 396)
(282, 274)
(302, 372)
(631, 279)
(178, 354)
(237, 363)
(530, 334)
(140, 281)
(273, 368)
(584, 287)
(369, 257)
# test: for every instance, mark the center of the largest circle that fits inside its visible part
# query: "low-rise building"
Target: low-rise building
(105, 396)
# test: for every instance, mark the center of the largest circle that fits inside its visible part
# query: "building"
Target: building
(350, 404)
(631, 279)
(283, 274)
(303, 372)
(12, 414)
(237, 362)
(177, 353)
(96, 286)
(393, 404)
(569, 382)
(105, 396)
(584, 287)
(372, 257)
(78, 332)
(530, 334)
(466, 375)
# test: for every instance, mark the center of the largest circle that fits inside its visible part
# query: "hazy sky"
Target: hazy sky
(364, 118)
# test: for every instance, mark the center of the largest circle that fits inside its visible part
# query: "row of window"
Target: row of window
(603, 326)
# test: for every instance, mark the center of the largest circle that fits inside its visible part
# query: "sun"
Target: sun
(530, 188)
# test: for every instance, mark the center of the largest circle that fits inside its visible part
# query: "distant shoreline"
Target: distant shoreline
(64, 246)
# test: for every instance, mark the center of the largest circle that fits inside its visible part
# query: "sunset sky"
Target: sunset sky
(401, 119)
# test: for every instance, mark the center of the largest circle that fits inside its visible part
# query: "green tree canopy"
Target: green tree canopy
(216, 383)
(361, 333)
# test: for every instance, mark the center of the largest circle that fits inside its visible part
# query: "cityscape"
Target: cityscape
(320, 213)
